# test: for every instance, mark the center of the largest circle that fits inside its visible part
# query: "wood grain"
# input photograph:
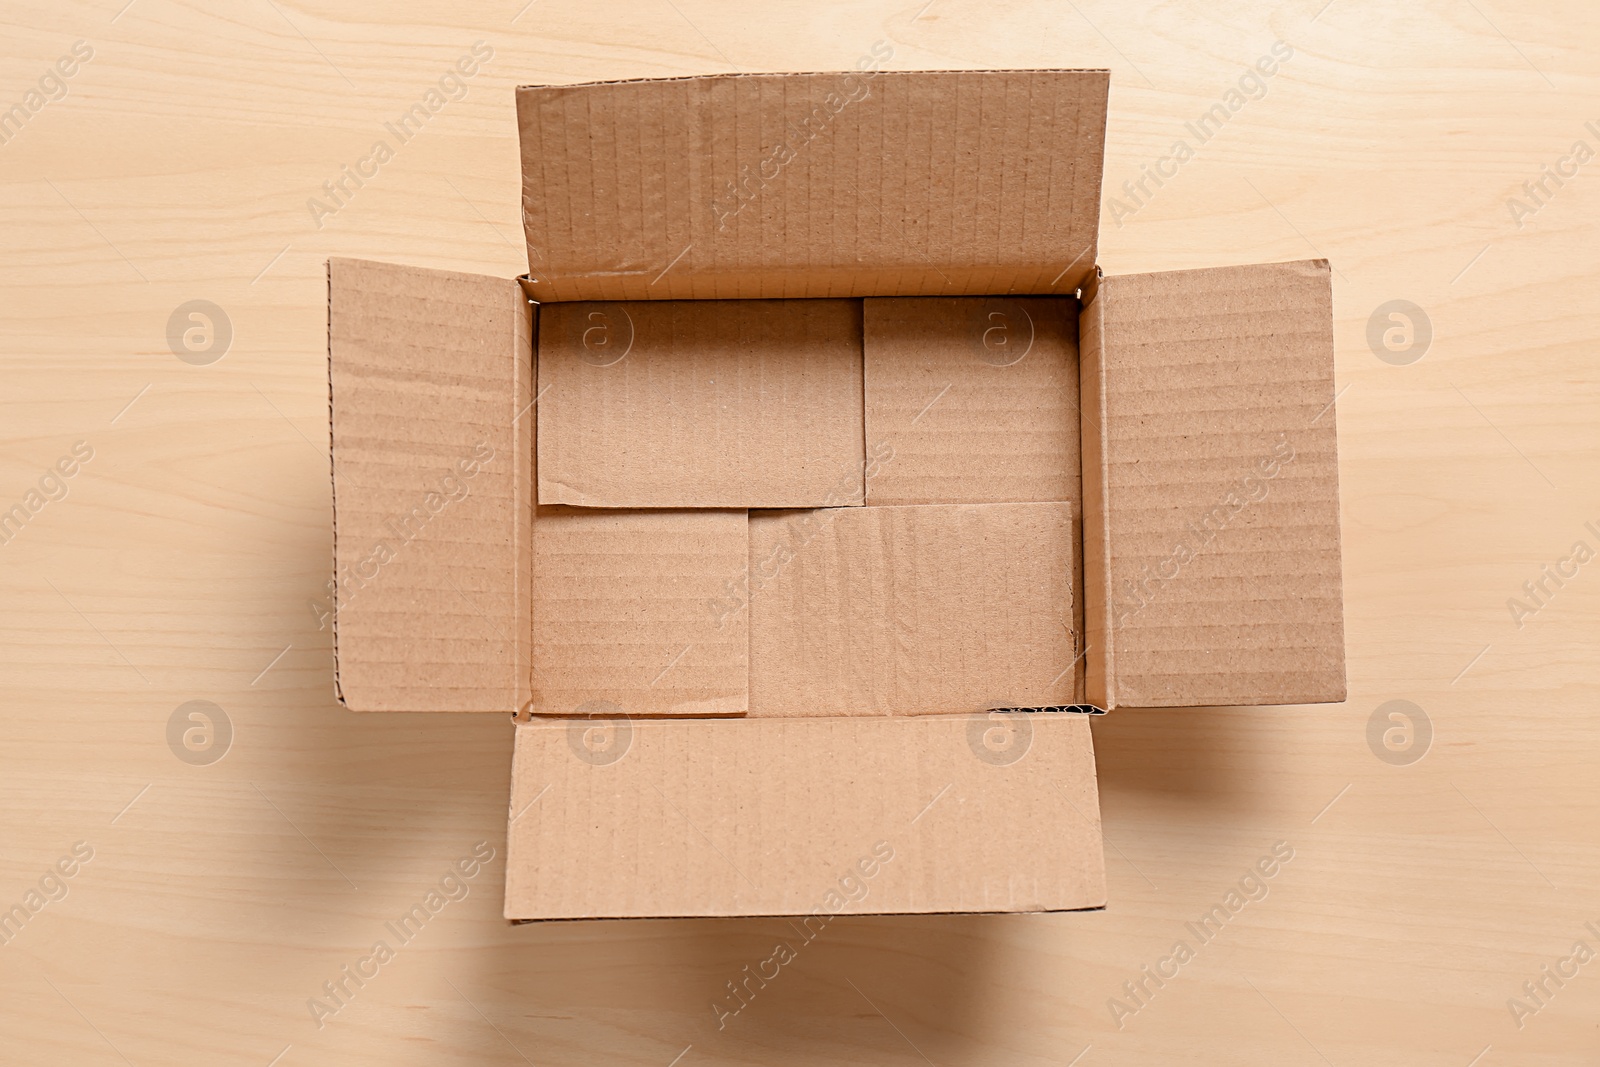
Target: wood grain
(188, 558)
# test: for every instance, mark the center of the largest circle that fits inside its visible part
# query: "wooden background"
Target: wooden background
(187, 560)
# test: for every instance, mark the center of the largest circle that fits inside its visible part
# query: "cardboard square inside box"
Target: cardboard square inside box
(760, 496)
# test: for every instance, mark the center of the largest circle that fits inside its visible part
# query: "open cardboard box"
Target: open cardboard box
(814, 484)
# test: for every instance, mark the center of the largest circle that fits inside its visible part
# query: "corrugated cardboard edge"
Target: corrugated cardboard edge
(800, 915)
(1099, 667)
(524, 416)
(1080, 597)
(333, 486)
(731, 75)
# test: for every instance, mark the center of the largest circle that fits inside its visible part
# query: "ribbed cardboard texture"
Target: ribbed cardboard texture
(625, 617)
(739, 403)
(430, 378)
(1211, 522)
(976, 396)
(917, 610)
(870, 183)
(806, 818)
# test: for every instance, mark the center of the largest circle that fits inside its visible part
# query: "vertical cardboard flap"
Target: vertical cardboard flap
(430, 377)
(867, 183)
(804, 817)
(1211, 488)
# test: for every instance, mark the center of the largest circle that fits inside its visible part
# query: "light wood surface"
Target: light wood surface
(187, 560)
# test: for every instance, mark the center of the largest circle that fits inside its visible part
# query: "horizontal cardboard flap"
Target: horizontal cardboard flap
(868, 183)
(700, 404)
(807, 818)
(930, 609)
(631, 616)
(430, 376)
(1211, 496)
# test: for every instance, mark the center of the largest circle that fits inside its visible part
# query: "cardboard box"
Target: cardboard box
(1003, 483)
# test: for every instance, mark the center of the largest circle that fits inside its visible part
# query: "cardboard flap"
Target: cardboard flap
(430, 376)
(1211, 488)
(632, 613)
(867, 183)
(915, 610)
(696, 404)
(809, 818)
(974, 398)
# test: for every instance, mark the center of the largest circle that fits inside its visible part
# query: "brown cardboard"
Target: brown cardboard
(738, 403)
(977, 397)
(429, 387)
(623, 612)
(868, 183)
(927, 609)
(795, 817)
(1211, 503)
(859, 640)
